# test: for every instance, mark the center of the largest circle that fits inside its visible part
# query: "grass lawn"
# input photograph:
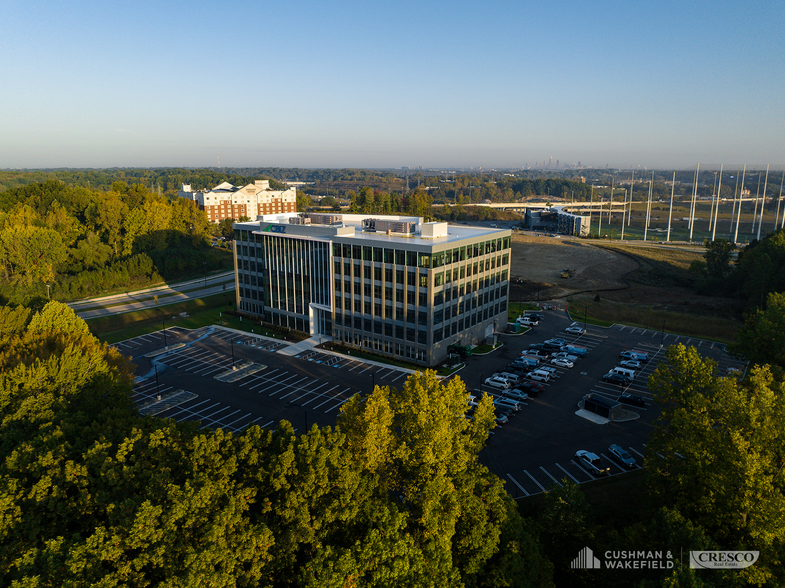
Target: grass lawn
(210, 310)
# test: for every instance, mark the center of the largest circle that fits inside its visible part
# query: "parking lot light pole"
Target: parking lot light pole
(163, 322)
(662, 334)
(585, 310)
(232, 344)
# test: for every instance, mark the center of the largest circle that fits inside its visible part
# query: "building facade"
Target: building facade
(229, 201)
(394, 285)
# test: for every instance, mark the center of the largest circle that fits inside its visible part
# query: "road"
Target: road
(154, 297)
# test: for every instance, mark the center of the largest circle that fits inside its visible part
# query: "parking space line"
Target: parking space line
(514, 481)
(534, 480)
(189, 411)
(547, 473)
(399, 377)
(342, 402)
(227, 416)
(583, 470)
(568, 473)
(638, 452)
(313, 391)
(248, 424)
(331, 398)
(296, 386)
(263, 376)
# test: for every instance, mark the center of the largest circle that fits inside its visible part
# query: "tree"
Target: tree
(718, 257)
(717, 454)
(762, 337)
(423, 450)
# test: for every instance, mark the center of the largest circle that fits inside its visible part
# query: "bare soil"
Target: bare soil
(622, 277)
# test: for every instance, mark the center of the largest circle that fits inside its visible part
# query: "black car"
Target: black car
(628, 398)
(517, 369)
(531, 388)
(537, 346)
(613, 378)
(537, 317)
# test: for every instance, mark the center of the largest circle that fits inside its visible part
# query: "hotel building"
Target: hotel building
(229, 201)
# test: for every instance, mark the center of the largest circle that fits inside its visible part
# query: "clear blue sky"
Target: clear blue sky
(387, 84)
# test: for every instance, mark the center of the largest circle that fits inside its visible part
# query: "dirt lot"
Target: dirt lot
(539, 262)
(643, 277)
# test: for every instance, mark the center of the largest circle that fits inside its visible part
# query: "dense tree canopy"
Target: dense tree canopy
(718, 453)
(93, 493)
(83, 242)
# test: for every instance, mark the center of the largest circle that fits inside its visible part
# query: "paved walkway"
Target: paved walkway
(306, 345)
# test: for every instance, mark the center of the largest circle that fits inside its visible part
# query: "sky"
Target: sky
(454, 84)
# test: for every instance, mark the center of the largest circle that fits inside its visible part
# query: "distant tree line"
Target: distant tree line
(82, 242)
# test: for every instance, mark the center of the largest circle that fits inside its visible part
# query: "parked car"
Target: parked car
(621, 455)
(574, 330)
(552, 345)
(526, 362)
(536, 345)
(539, 375)
(501, 419)
(628, 398)
(613, 378)
(533, 315)
(636, 355)
(516, 394)
(547, 368)
(531, 388)
(495, 382)
(561, 362)
(567, 356)
(518, 369)
(527, 321)
(537, 353)
(631, 363)
(592, 463)
(507, 376)
(506, 403)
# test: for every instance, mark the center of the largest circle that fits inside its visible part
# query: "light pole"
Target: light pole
(163, 322)
(204, 265)
(585, 310)
(662, 334)
(232, 343)
(47, 291)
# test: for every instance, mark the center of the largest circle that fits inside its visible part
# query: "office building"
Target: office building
(393, 285)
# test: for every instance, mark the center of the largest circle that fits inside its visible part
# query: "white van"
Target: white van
(497, 382)
(627, 373)
(539, 375)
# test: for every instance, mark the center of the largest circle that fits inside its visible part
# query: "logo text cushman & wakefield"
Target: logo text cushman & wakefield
(716, 560)
(624, 560)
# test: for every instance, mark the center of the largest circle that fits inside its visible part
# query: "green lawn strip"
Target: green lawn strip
(704, 327)
(200, 312)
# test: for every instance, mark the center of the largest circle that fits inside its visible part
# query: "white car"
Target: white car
(567, 356)
(574, 330)
(561, 362)
(631, 363)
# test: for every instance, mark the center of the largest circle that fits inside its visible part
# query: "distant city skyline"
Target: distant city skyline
(358, 85)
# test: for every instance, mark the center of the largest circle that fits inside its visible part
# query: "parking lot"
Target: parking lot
(535, 450)
(304, 389)
(532, 452)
